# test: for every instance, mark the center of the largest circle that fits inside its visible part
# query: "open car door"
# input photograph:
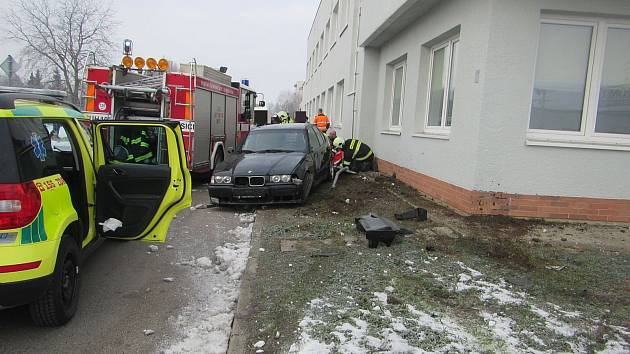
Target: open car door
(142, 178)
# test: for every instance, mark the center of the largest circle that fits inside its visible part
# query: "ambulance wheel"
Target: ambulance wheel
(58, 304)
(308, 184)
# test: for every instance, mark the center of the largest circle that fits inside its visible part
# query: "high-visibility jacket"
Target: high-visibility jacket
(355, 150)
(138, 148)
(288, 120)
(322, 122)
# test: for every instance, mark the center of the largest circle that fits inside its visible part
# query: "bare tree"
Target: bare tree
(288, 101)
(61, 34)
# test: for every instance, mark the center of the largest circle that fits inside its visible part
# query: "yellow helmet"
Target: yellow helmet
(338, 142)
(284, 116)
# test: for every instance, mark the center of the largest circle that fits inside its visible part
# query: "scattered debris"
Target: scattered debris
(563, 239)
(247, 218)
(430, 247)
(417, 213)
(261, 249)
(259, 344)
(110, 224)
(148, 332)
(325, 254)
(170, 247)
(347, 201)
(535, 239)
(169, 279)
(153, 248)
(377, 229)
(555, 267)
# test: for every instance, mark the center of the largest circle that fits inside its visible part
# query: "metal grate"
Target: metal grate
(253, 181)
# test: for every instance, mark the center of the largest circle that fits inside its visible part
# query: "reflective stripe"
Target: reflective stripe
(356, 150)
(136, 141)
(143, 144)
(352, 144)
(345, 163)
(366, 156)
(130, 157)
(146, 156)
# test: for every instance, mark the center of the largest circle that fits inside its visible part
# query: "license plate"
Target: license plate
(8, 237)
(249, 193)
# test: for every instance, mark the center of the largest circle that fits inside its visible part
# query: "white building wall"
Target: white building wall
(452, 160)
(486, 149)
(505, 162)
(334, 66)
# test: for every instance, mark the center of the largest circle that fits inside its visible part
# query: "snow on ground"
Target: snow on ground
(382, 327)
(204, 325)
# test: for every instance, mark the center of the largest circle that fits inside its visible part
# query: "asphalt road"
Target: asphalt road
(123, 291)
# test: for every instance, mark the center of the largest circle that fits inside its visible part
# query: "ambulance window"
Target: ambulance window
(135, 144)
(86, 127)
(33, 149)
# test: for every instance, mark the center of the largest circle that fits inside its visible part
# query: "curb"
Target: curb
(237, 343)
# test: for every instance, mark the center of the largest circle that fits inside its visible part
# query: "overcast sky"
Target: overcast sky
(264, 41)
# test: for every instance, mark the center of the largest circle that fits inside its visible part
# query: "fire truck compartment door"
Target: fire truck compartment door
(142, 178)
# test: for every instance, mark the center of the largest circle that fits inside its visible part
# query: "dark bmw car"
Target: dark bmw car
(278, 163)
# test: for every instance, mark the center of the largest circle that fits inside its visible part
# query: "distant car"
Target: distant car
(278, 163)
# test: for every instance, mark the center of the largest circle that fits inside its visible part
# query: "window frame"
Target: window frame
(448, 45)
(402, 64)
(586, 137)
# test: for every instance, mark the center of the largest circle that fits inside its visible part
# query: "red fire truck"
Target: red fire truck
(212, 113)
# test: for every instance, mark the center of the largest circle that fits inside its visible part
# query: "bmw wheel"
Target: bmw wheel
(308, 184)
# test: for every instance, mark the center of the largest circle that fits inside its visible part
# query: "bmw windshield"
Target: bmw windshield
(272, 141)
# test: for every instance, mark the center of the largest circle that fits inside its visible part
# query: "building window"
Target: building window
(338, 115)
(397, 93)
(335, 19)
(441, 91)
(329, 40)
(582, 82)
(329, 104)
(343, 15)
(317, 52)
(322, 50)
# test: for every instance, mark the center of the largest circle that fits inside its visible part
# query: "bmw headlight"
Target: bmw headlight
(221, 179)
(280, 178)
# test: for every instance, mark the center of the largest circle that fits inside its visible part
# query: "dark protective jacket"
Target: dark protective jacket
(355, 151)
(138, 147)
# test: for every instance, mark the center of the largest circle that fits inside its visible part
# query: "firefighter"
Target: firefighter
(357, 156)
(275, 119)
(137, 143)
(285, 118)
(321, 121)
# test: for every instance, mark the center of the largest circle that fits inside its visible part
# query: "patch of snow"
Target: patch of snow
(204, 262)
(382, 297)
(616, 346)
(551, 322)
(389, 289)
(169, 279)
(247, 217)
(205, 323)
(259, 344)
(501, 328)
(474, 273)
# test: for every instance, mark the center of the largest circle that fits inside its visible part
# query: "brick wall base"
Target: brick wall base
(517, 205)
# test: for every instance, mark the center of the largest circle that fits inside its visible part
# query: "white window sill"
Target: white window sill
(577, 143)
(439, 136)
(343, 30)
(337, 126)
(390, 132)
